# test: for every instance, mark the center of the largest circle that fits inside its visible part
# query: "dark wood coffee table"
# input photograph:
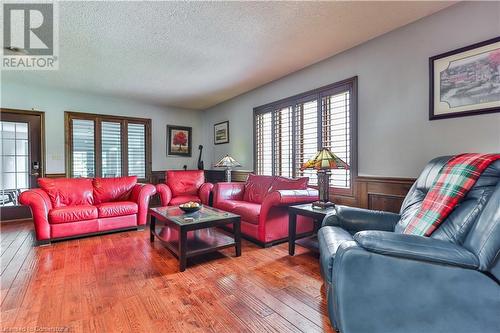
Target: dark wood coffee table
(193, 234)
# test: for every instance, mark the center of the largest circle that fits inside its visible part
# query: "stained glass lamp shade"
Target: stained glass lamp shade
(227, 162)
(323, 162)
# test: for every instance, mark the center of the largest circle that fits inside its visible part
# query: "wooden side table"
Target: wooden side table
(310, 242)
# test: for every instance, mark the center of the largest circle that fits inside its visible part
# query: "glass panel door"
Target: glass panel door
(20, 159)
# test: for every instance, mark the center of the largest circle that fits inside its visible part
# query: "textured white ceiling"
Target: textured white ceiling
(197, 54)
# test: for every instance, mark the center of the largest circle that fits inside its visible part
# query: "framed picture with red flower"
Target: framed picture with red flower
(466, 81)
(179, 140)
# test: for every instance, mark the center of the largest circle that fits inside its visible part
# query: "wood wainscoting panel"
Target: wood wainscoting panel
(382, 193)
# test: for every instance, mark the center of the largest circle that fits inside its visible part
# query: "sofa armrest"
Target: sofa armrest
(355, 219)
(286, 198)
(228, 191)
(290, 197)
(40, 205)
(204, 192)
(416, 248)
(165, 193)
(141, 194)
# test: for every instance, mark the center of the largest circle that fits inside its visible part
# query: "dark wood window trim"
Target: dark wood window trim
(98, 118)
(318, 94)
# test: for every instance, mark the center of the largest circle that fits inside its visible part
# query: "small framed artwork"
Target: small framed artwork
(466, 81)
(179, 140)
(221, 133)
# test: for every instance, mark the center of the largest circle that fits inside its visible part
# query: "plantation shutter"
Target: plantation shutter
(137, 150)
(111, 149)
(263, 143)
(283, 140)
(291, 131)
(336, 133)
(306, 129)
(83, 157)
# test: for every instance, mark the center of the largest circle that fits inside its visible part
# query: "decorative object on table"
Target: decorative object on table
(227, 162)
(465, 81)
(190, 207)
(323, 162)
(200, 162)
(221, 133)
(185, 167)
(179, 140)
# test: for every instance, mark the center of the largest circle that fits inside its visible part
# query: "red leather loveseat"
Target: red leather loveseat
(183, 186)
(262, 204)
(68, 207)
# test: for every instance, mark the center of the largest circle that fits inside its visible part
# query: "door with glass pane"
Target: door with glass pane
(21, 159)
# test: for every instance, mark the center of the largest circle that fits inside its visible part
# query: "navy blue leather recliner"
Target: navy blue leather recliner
(380, 280)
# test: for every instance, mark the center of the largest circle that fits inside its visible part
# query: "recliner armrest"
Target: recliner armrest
(416, 248)
(355, 219)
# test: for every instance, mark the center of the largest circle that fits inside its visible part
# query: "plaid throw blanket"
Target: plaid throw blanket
(453, 182)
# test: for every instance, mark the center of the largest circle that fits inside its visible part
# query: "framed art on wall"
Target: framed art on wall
(179, 140)
(221, 133)
(465, 81)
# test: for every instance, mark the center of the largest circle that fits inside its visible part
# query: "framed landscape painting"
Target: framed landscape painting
(179, 140)
(466, 81)
(221, 133)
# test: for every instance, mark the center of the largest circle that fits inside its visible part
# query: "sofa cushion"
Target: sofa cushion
(248, 211)
(113, 189)
(330, 238)
(179, 200)
(257, 187)
(72, 214)
(185, 182)
(68, 191)
(119, 208)
(282, 183)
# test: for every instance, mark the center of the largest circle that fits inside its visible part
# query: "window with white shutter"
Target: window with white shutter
(107, 146)
(137, 150)
(83, 143)
(290, 131)
(111, 150)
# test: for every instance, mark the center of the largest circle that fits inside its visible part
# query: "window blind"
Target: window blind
(283, 141)
(336, 133)
(306, 122)
(291, 131)
(83, 157)
(136, 150)
(263, 134)
(111, 149)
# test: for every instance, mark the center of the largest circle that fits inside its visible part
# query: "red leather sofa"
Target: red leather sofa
(69, 207)
(262, 204)
(183, 186)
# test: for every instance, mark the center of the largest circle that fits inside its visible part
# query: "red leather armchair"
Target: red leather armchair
(262, 202)
(69, 207)
(183, 186)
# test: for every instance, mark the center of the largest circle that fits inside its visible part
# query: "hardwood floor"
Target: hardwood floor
(122, 283)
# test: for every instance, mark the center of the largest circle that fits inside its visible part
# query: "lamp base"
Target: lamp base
(323, 204)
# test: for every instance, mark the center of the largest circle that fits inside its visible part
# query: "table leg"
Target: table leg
(292, 233)
(152, 226)
(237, 237)
(182, 249)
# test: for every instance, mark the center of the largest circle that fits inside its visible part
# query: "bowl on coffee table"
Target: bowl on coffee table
(190, 207)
